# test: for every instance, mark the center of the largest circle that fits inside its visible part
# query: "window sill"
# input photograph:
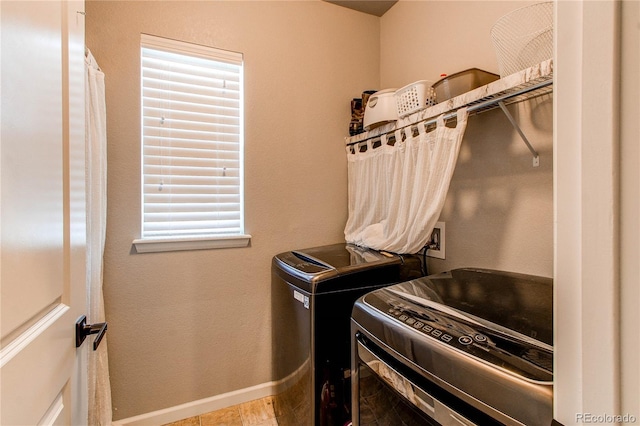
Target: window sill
(204, 243)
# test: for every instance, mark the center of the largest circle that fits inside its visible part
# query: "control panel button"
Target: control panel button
(446, 337)
(427, 328)
(410, 321)
(436, 333)
(418, 324)
(465, 340)
(403, 317)
(481, 338)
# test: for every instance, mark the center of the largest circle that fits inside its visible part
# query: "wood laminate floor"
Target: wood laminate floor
(253, 413)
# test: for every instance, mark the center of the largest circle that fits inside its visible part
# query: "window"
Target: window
(192, 147)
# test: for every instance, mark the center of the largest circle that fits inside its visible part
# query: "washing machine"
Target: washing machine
(313, 292)
(464, 347)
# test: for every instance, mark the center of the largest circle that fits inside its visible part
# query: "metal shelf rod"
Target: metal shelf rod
(536, 157)
(491, 102)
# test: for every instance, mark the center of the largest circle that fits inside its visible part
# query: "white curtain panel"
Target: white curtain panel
(96, 186)
(396, 193)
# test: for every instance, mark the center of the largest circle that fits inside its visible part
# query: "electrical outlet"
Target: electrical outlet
(436, 242)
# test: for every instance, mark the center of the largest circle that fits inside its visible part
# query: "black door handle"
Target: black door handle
(83, 330)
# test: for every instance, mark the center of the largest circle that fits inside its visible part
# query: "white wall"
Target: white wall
(184, 326)
(630, 208)
(597, 191)
(499, 210)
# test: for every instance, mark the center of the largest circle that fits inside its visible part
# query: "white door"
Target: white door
(42, 257)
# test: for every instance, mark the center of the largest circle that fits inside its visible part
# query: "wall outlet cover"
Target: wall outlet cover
(437, 240)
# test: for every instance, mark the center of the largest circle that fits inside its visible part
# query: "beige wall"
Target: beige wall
(499, 210)
(425, 38)
(190, 325)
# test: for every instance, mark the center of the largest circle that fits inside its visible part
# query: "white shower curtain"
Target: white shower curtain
(396, 193)
(96, 186)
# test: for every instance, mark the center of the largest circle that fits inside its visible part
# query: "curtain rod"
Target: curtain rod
(473, 108)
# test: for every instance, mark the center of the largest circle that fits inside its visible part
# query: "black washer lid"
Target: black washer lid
(518, 302)
(327, 262)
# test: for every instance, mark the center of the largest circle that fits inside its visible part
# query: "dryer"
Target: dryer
(313, 292)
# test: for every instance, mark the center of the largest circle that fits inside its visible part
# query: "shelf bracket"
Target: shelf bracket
(536, 157)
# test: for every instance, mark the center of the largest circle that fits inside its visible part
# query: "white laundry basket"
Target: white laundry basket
(380, 109)
(524, 37)
(414, 97)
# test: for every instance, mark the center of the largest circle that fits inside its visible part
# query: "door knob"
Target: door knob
(83, 330)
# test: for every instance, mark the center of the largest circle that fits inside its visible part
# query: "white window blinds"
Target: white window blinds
(192, 140)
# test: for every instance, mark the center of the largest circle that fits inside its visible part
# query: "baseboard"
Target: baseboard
(195, 408)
